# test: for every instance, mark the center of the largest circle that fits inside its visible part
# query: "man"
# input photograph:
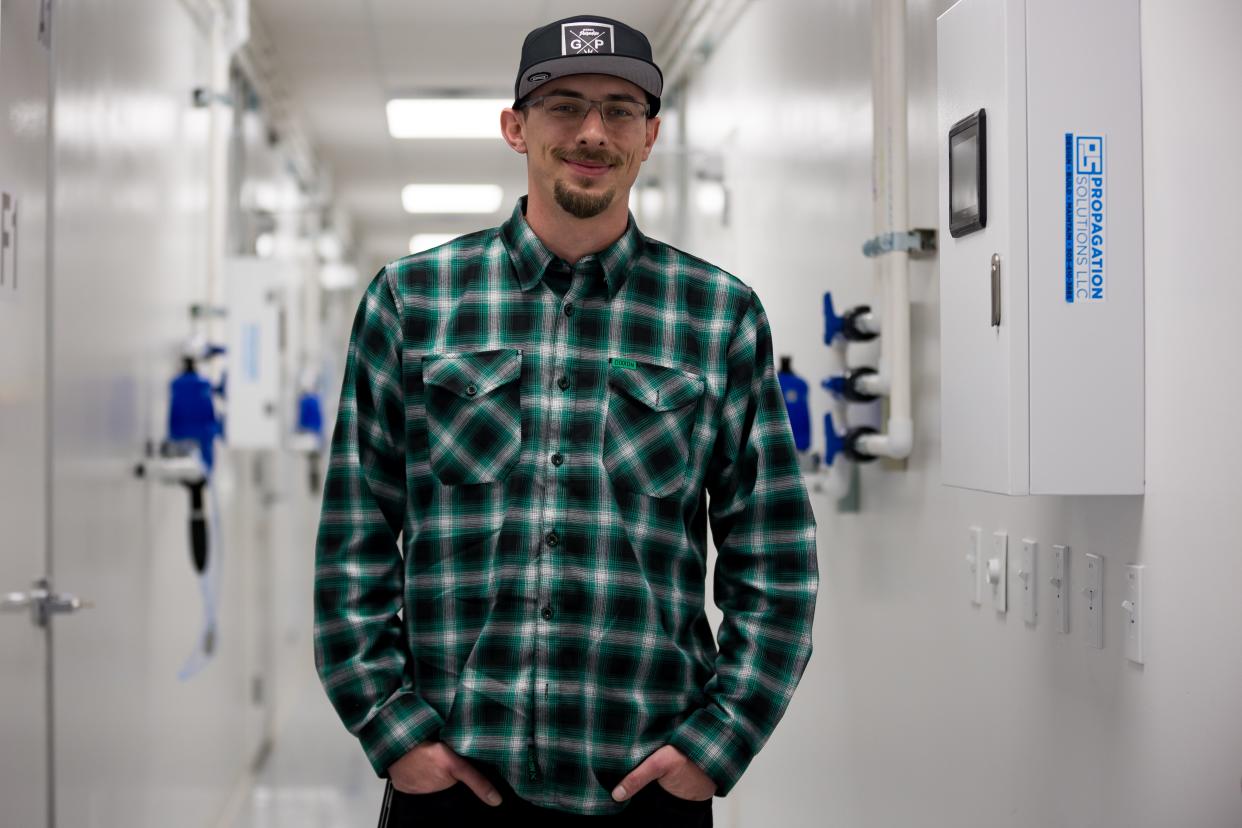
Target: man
(542, 410)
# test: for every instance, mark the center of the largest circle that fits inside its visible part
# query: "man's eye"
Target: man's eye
(620, 113)
(564, 108)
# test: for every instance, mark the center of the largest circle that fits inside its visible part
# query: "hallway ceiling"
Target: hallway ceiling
(341, 60)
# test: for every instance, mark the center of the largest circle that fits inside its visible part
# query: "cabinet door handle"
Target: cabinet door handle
(996, 290)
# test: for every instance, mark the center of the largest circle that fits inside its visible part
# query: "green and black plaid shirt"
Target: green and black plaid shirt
(545, 440)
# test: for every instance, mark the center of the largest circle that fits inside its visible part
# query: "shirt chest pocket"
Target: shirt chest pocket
(651, 413)
(474, 414)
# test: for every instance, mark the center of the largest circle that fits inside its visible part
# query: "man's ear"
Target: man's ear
(653, 129)
(513, 130)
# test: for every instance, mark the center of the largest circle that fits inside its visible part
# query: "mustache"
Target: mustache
(594, 156)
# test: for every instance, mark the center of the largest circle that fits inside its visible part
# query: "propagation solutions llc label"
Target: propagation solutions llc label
(1085, 208)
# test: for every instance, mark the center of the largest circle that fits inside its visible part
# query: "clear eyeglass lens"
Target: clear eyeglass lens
(615, 113)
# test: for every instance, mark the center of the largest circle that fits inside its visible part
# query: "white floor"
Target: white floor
(316, 775)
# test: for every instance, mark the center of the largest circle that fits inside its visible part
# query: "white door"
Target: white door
(138, 739)
(23, 414)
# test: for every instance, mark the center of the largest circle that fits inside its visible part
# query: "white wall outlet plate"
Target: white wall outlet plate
(1133, 617)
(1026, 577)
(975, 563)
(1061, 585)
(998, 571)
(1094, 593)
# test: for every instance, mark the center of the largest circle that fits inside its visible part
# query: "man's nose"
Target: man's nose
(592, 130)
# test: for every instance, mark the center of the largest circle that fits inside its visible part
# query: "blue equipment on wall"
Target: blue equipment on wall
(855, 325)
(192, 416)
(187, 458)
(794, 390)
(310, 425)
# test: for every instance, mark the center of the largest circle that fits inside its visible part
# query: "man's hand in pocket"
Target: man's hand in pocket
(673, 771)
(434, 766)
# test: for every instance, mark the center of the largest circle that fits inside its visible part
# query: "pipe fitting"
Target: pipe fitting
(860, 385)
(860, 324)
(896, 443)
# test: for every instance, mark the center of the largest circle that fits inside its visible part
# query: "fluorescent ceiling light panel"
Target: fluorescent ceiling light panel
(425, 241)
(445, 117)
(451, 198)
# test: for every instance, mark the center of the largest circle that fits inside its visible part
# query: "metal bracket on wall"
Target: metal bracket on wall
(8, 244)
(204, 97)
(920, 243)
(45, 23)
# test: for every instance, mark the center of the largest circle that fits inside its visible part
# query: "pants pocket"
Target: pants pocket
(402, 810)
(666, 809)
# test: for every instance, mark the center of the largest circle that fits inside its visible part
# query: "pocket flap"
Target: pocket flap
(472, 374)
(658, 387)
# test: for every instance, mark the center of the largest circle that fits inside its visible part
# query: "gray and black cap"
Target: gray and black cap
(588, 44)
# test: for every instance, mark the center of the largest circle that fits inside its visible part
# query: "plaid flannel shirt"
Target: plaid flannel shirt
(547, 461)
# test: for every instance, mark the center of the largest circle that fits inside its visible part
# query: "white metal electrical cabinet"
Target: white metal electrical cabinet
(1041, 228)
(256, 297)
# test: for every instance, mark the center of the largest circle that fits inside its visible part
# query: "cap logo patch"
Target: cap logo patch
(538, 77)
(586, 38)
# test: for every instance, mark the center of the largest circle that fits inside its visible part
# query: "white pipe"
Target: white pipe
(220, 122)
(875, 384)
(699, 28)
(868, 323)
(891, 185)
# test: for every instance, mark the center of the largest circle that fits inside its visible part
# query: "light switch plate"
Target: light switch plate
(1133, 617)
(1060, 583)
(1094, 592)
(1026, 575)
(975, 563)
(998, 571)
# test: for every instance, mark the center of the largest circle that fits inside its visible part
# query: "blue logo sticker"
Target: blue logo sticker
(1086, 200)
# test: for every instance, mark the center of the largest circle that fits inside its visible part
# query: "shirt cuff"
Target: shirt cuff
(403, 722)
(712, 745)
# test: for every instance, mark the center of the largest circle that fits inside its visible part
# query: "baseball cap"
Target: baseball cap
(588, 44)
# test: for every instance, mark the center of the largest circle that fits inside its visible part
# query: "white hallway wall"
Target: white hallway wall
(918, 708)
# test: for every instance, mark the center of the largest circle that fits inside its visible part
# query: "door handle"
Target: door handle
(42, 602)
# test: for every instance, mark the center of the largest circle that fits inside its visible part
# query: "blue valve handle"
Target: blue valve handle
(834, 443)
(833, 324)
(835, 386)
(846, 386)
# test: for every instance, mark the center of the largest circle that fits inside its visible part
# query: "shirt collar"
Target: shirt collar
(531, 258)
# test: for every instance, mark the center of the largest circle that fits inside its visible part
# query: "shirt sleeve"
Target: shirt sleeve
(361, 649)
(766, 575)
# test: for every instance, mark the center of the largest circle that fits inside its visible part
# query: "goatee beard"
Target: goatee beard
(582, 205)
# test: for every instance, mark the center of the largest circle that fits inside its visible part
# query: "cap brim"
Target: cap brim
(635, 70)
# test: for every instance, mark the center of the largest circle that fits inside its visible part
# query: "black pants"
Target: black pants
(458, 806)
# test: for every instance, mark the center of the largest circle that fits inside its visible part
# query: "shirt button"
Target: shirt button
(552, 538)
(547, 613)
(569, 308)
(471, 390)
(563, 383)
(557, 459)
